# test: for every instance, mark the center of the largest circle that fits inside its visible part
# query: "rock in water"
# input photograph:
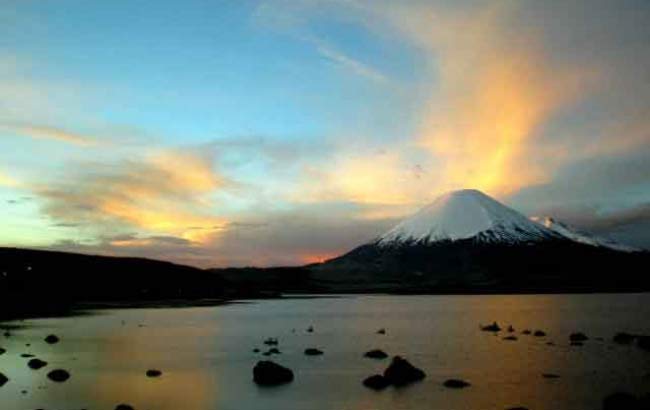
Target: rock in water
(456, 384)
(52, 339)
(494, 327)
(643, 342)
(36, 364)
(376, 354)
(58, 375)
(267, 373)
(578, 337)
(3, 379)
(620, 401)
(313, 352)
(376, 382)
(401, 372)
(624, 338)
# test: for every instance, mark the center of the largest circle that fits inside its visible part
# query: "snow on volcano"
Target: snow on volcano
(466, 214)
(578, 236)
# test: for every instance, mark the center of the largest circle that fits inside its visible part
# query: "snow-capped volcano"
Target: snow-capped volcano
(466, 241)
(466, 214)
(578, 236)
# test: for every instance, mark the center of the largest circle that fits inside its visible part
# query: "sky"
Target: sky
(283, 132)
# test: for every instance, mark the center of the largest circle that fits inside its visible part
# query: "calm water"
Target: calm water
(206, 354)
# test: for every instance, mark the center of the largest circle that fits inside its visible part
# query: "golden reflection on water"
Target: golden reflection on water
(127, 354)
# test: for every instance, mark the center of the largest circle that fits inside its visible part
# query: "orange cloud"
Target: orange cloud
(163, 194)
(49, 133)
(496, 88)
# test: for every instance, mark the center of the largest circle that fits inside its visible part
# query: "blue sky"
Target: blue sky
(280, 132)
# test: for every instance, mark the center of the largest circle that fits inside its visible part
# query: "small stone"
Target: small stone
(3, 379)
(271, 341)
(539, 333)
(620, 401)
(578, 337)
(267, 373)
(36, 364)
(526, 332)
(550, 376)
(153, 373)
(58, 375)
(643, 342)
(456, 384)
(52, 339)
(624, 338)
(313, 352)
(376, 382)
(511, 338)
(124, 407)
(26, 355)
(376, 354)
(381, 331)
(494, 327)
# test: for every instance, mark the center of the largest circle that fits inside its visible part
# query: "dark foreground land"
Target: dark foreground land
(43, 283)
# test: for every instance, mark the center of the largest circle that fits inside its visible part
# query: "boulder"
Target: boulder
(376, 354)
(456, 384)
(401, 372)
(124, 407)
(526, 332)
(267, 373)
(550, 376)
(3, 379)
(539, 333)
(511, 338)
(271, 341)
(381, 331)
(376, 382)
(313, 352)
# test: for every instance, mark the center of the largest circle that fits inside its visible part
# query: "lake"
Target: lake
(206, 354)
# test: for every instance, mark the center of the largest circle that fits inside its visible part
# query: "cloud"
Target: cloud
(166, 193)
(349, 63)
(47, 133)
(7, 180)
